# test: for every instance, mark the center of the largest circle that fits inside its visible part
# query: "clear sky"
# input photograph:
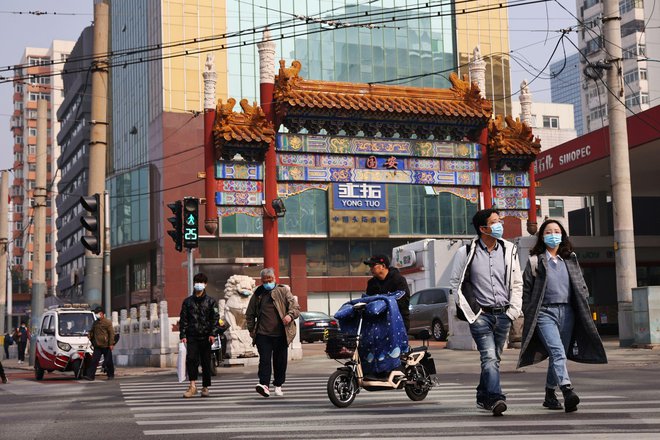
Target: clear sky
(533, 37)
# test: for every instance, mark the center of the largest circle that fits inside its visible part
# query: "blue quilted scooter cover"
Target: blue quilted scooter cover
(384, 335)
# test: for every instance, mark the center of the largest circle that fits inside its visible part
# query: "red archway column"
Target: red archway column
(211, 220)
(486, 187)
(532, 224)
(271, 239)
(266, 89)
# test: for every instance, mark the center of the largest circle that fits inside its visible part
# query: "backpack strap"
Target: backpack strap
(534, 264)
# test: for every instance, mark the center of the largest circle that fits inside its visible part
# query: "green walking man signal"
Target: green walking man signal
(191, 226)
(185, 223)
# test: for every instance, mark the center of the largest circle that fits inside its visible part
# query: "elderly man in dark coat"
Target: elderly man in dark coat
(579, 337)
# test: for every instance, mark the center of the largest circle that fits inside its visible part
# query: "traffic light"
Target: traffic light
(176, 234)
(92, 222)
(190, 222)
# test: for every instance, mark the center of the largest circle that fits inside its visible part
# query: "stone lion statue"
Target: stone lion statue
(238, 290)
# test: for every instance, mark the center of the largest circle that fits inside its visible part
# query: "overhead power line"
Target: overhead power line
(331, 25)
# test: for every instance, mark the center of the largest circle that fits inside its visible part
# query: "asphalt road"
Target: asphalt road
(619, 400)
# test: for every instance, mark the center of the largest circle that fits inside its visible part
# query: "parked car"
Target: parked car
(428, 311)
(62, 341)
(313, 326)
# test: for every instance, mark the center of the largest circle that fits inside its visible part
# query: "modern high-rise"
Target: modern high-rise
(641, 75)
(566, 85)
(74, 116)
(23, 125)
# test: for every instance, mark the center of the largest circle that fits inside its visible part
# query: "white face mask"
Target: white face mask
(199, 287)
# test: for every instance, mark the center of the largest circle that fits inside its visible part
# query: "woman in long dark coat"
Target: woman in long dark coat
(558, 322)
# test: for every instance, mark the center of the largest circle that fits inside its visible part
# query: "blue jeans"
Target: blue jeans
(555, 327)
(490, 332)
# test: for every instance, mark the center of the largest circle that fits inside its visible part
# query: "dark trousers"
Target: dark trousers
(21, 350)
(276, 350)
(6, 351)
(199, 350)
(2, 371)
(108, 364)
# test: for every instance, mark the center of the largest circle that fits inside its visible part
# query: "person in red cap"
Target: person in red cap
(386, 280)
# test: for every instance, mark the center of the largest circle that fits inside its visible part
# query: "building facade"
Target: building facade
(565, 87)
(641, 82)
(156, 138)
(27, 91)
(74, 116)
(155, 152)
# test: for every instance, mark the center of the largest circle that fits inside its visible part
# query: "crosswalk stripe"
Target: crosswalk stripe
(498, 424)
(233, 407)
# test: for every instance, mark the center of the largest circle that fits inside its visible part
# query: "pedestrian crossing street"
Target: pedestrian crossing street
(235, 410)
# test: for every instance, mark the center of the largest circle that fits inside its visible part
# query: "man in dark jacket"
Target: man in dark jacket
(386, 280)
(102, 336)
(198, 326)
(22, 336)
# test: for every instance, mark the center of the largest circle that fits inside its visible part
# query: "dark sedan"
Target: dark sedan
(313, 325)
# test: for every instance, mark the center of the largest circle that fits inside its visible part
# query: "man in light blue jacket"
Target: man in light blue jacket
(486, 284)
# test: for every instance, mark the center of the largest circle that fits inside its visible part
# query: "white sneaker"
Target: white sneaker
(263, 390)
(278, 391)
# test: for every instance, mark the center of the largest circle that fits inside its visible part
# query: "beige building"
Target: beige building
(23, 125)
(490, 31)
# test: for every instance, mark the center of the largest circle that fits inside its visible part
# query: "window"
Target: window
(629, 5)
(538, 208)
(631, 27)
(550, 122)
(556, 208)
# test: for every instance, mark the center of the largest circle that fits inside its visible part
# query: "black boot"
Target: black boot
(571, 399)
(551, 401)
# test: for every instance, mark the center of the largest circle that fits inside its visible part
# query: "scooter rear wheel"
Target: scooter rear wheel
(342, 388)
(417, 389)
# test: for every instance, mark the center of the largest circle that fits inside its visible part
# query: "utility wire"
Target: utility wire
(333, 25)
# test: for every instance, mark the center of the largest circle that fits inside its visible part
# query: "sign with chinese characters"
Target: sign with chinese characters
(358, 210)
(359, 196)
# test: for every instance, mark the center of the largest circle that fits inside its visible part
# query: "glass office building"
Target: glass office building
(340, 40)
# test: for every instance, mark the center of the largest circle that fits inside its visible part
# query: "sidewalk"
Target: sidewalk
(447, 361)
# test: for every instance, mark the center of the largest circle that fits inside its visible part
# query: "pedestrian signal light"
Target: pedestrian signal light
(191, 222)
(177, 225)
(91, 221)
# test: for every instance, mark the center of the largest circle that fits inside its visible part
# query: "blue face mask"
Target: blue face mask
(552, 240)
(199, 287)
(496, 230)
(269, 286)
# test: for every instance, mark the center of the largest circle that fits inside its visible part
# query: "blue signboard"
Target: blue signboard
(359, 196)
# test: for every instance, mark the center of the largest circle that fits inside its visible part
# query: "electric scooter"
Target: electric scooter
(416, 376)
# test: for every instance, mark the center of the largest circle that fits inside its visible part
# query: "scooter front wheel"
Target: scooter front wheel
(342, 388)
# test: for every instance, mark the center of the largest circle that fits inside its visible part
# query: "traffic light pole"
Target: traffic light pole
(189, 254)
(97, 144)
(107, 299)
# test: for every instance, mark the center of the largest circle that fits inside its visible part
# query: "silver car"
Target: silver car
(428, 311)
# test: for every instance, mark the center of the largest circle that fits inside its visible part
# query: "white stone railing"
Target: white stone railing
(146, 337)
